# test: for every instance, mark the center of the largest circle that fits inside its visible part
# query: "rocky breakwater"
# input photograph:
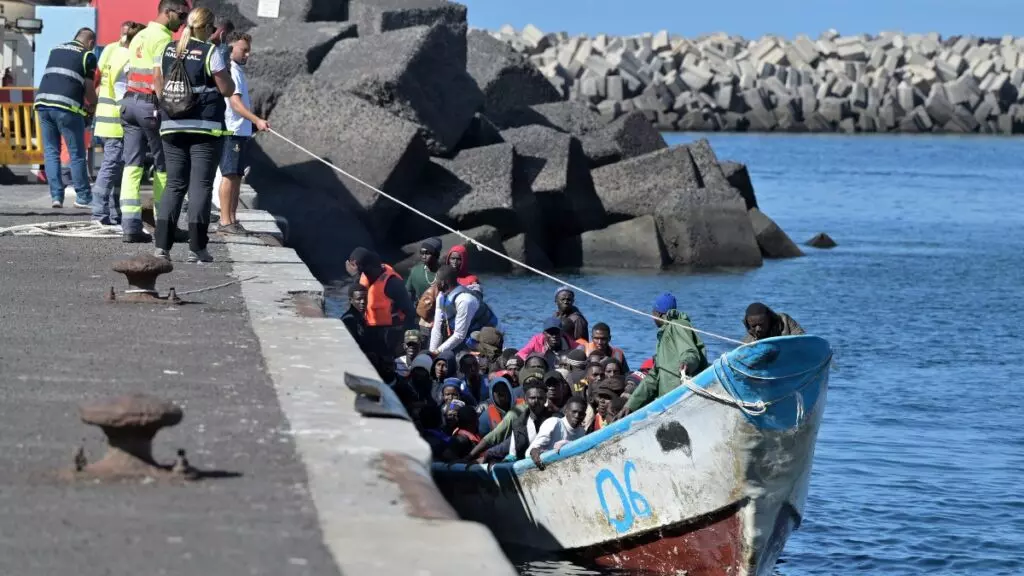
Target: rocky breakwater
(892, 82)
(464, 128)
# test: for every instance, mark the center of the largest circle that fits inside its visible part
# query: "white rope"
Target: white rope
(217, 287)
(749, 408)
(480, 246)
(73, 229)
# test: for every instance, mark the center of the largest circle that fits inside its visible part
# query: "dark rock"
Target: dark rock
(707, 227)
(473, 189)
(626, 137)
(316, 222)
(244, 12)
(481, 132)
(378, 16)
(774, 242)
(284, 49)
(523, 248)
(418, 74)
(631, 244)
(480, 260)
(822, 240)
(381, 149)
(739, 178)
(571, 117)
(557, 172)
(263, 96)
(634, 187)
(507, 78)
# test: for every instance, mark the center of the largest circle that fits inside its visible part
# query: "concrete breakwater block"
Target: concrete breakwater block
(284, 49)
(773, 241)
(473, 189)
(364, 140)
(244, 12)
(739, 178)
(480, 261)
(377, 16)
(481, 132)
(552, 164)
(707, 227)
(418, 74)
(626, 137)
(631, 244)
(635, 187)
(523, 248)
(507, 79)
(263, 96)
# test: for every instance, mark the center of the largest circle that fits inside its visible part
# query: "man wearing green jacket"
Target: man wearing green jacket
(679, 351)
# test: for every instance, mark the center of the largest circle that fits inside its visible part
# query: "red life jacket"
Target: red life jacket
(474, 438)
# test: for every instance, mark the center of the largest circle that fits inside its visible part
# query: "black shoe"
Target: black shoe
(136, 238)
(180, 235)
(233, 229)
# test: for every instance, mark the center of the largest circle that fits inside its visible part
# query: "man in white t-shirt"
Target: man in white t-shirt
(557, 432)
(240, 120)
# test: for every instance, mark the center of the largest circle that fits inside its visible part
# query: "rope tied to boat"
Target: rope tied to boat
(70, 229)
(761, 406)
(480, 246)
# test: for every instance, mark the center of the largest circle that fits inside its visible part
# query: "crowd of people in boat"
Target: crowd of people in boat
(440, 346)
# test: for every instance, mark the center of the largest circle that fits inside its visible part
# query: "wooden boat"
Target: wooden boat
(709, 479)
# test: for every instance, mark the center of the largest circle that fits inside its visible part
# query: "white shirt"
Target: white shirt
(554, 433)
(531, 434)
(233, 120)
(465, 308)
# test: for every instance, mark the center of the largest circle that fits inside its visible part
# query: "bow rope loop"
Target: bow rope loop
(480, 246)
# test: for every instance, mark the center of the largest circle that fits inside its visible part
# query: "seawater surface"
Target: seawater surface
(921, 452)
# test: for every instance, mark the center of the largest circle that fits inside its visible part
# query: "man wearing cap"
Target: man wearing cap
(412, 345)
(550, 343)
(607, 390)
(489, 344)
(388, 307)
(565, 300)
(680, 351)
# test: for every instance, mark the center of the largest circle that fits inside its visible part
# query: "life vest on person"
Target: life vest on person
(63, 83)
(207, 113)
(483, 318)
(143, 51)
(598, 422)
(589, 348)
(582, 342)
(495, 416)
(112, 68)
(474, 438)
(379, 308)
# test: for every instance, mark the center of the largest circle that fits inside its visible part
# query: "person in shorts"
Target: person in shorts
(240, 121)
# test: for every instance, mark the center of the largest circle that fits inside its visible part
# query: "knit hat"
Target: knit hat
(432, 245)
(576, 359)
(664, 303)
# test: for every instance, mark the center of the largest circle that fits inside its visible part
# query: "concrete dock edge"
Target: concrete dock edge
(369, 478)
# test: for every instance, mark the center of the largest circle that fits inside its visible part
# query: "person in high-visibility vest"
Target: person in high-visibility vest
(109, 91)
(140, 114)
(63, 100)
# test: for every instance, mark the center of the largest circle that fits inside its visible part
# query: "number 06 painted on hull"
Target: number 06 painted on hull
(634, 505)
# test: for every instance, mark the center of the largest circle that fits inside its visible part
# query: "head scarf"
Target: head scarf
(463, 275)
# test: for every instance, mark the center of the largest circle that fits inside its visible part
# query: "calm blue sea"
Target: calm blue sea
(919, 461)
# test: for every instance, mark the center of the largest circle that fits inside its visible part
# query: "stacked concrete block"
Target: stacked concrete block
(722, 82)
(286, 49)
(507, 78)
(377, 16)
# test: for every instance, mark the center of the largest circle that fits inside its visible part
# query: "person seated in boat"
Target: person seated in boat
(576, 362)
(523, 428)
(558, 390)
(419, 376)
(503, 398)
(389, 310)
(634, 378)
(443, 367)
(513, 365)
(474, 385)
(458, 258)
(537, 361)
(556, 432)
(679, 351)
(354, 318)
(498, 434)
(489, 342)
(431, 426)
(458, 313)
(565, 308)
(601, 343)
(550, 343)
(613, 367)
(762, 322)
(411, 345)
(607, 391)
(464, 435)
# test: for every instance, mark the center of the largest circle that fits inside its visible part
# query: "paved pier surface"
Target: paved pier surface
(320, 489)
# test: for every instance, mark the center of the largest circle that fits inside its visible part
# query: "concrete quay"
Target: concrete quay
(320, 489)
(890, 82)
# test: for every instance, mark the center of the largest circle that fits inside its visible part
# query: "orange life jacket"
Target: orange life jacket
(474, 438)
(589, 347)
(495, 416)
(598, 422)
(380, 308)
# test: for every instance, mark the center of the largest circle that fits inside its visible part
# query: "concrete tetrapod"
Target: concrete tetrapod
(130, 423)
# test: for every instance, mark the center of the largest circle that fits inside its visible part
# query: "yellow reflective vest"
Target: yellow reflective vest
(113, 67)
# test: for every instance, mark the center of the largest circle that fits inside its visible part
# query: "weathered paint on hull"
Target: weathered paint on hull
(687, 483)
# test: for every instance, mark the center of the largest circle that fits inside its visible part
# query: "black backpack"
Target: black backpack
(177, 99)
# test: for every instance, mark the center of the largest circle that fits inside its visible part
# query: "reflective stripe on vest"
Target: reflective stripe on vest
(207, 114)
(144, 52)
(380, 308)
(616, 353)
(483, 318)
(108, 110)
(63, 83)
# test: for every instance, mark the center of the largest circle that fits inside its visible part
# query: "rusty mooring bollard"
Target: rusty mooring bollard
(143, 270)
(130, 423)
